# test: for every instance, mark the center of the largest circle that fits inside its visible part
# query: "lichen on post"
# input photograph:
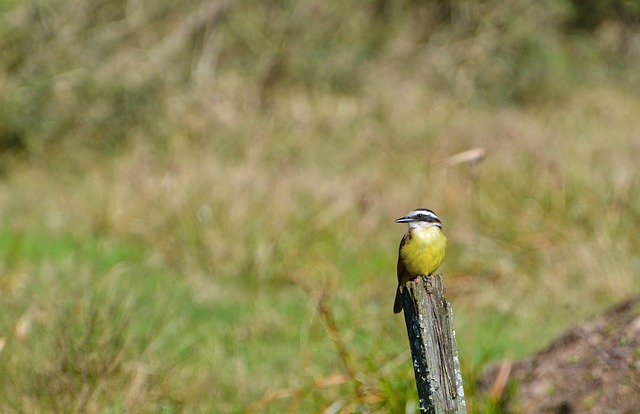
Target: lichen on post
(434, 351)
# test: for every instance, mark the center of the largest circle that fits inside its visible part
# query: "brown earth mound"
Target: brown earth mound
(593, 368)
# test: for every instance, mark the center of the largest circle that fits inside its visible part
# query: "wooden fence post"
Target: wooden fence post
(434, 351)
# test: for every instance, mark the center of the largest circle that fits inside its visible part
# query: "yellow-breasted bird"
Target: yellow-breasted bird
(421, 250)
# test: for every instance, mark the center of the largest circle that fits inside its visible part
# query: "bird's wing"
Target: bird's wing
(402, 270)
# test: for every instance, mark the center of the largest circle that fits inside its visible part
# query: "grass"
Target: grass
(221, 239)
(137, 278)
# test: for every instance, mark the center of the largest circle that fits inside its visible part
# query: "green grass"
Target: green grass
(141, 297)
(200, 218)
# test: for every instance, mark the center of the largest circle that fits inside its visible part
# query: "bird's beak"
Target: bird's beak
(404, 220)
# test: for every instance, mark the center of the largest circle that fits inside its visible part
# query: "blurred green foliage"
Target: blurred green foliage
(192, 190)
(98, 74)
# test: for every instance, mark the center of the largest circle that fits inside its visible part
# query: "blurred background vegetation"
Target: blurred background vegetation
(197, 198)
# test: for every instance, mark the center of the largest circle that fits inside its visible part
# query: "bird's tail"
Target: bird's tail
(397, 304)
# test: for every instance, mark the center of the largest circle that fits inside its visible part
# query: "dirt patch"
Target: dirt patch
(592, 368)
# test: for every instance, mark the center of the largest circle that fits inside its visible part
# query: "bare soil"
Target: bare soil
(592, 368)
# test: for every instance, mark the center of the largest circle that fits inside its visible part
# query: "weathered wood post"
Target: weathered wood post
(434, 351)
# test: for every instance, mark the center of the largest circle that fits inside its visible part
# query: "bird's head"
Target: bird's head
(421, 217)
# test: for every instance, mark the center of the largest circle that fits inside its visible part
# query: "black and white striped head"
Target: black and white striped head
(421, 217)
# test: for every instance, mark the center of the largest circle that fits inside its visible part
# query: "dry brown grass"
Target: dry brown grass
(240, 220)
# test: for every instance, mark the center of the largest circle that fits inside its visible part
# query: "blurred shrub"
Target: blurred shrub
(590, 14)
(99, 74)
(79, 74)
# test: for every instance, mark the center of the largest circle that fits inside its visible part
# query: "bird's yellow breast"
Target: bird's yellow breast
(424, 252)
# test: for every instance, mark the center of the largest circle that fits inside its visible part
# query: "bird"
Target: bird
(422, 249)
